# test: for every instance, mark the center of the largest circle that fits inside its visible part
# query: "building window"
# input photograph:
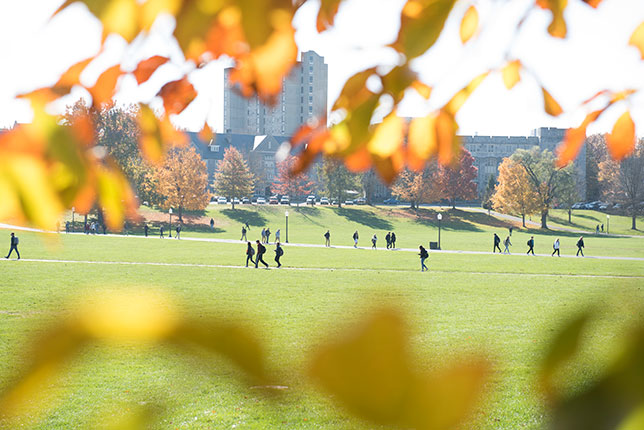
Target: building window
(310, 109)
(214, 148)
(311, 79)
(311, 59)
(310, 89)
(310, 99)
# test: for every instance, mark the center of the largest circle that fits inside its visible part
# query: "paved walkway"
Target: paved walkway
(311, 245)
(315, 269)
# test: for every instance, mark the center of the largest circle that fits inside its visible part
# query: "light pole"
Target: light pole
(286, 214)
(607, 223)
(170, 229)
(73, 210)
(440, 217)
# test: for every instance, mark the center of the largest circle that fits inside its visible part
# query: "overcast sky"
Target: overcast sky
(595, 56)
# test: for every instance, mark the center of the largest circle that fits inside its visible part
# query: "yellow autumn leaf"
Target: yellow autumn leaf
(557, 27)
(637, 39)
(150, 141)
(388, 136)
(421, 141)
(423, 89)
(421, 24)
(550, 104)
(511, 74)
(459, 99)
(469, 24)
(621, 141)
(117, 16)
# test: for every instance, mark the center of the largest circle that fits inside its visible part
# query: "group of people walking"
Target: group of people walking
(261, 250)
(556, 246)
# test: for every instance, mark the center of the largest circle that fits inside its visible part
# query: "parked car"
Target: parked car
(261, 201)
(222, 201)
(578, 205)
(272, 200)
(285, 200)
(348, 202)
(361, 201)
(236, 201)
(245, 201)
(324, 201)
(604, 206)
(310, 200)
(391, 201)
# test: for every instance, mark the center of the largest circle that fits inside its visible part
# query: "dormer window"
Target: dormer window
(214, 148)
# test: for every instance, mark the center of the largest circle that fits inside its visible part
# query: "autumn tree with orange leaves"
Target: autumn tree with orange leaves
(457, 182)
(233, 178)
(418, 187)
(289, 184)
(183, 181)
(514, 194)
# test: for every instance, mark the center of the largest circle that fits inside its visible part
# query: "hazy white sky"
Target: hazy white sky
(595, 56)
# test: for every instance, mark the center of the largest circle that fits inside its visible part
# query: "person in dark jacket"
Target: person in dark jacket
(388, 239)
(423, 256)
(355, 239)
(497, 241)
(13, 245)
(146, 229)
(327, 239)
(393, 240)
(531, 245)
(279, 251)
(249, 254)
(261, 250)
(178, 231)
(580, 245)
(161, 232)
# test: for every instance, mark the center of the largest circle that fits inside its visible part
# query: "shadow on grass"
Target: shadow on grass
(365, 218)
(458, 220)
(243, 216)
(309, 213)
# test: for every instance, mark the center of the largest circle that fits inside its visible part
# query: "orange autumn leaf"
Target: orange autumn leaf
(72, 76)
(358, 161)
(550, 104)
(637, 39)
(621, 141)
(447, 142)
(469, 24)
(423, 89)
(177, 95)
(557, 27)
(146, 68)
(326, 14)
(459, 99)
(389, 168)
(511, 74)
(226, 35)
(574, 139)
(105, 86)
(421, 141)
(593, 3)
(206, 134)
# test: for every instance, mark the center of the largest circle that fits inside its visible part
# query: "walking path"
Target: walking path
(323, 269)
(311, 245)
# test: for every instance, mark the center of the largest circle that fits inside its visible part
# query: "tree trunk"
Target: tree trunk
(453, 203)
(544, 219)
(523, 219)
(569, 216)
(180, 213)
(233, 203)
(633, 226)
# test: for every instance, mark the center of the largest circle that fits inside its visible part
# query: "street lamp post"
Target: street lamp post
(170, 229)
(73, 211)
(286, 214)
(440, 217)
(607, 223)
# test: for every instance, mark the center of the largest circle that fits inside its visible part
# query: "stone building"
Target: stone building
(489, 152)
(303, 98)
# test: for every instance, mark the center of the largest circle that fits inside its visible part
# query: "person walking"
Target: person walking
(374, 239)
(277, 236)
(268, 236)
(393, 240)
(263, 235)
(510, 230)
(423, 256)
(602, 227)
(279, 251)
(13, 245)
(497, 241)
(597, 229)
(146, 229)
(178, 231)
(507, 245)
(250, 251)
(212, 224)
(580, 246)
(531, 245)
(388, 239)
(555, 247)
(243, 236)
(261, 250)
(67, 227)
(327, 239)
(355, 239)
(161, 232)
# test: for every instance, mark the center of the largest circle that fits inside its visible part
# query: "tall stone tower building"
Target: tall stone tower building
(303, 97)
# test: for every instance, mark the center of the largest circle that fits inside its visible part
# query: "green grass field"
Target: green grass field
(507, 306)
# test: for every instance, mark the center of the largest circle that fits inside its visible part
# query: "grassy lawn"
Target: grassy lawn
(588, 220)
(460, 229)
(507, 306)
